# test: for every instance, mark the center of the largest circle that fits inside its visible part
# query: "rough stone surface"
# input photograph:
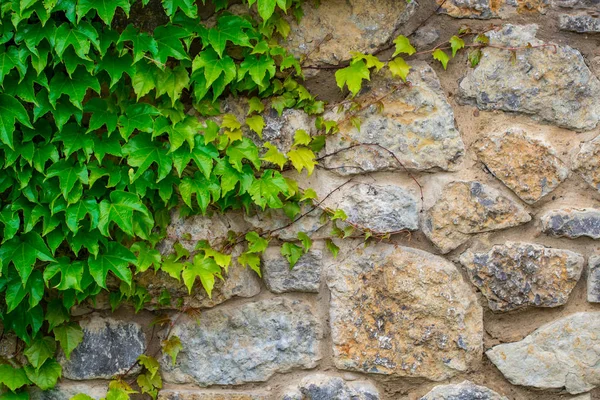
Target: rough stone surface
(65, 390)
(552, 84)
(271, 219)
(304, 277)
(563, 353)
(110, 347)
(238, 282)
(466, 208)
(416, 125)
(245, 343)
(325, 387)
(593, 279)
(587, 162)
(577, 4)
(377, 208)
(402, 312)
(462, 391)
(572, 223)
(579, 23)
(525, 165)
(487, 9)
(424, 36)
(518, 275)
(168, 394)
(330, 32)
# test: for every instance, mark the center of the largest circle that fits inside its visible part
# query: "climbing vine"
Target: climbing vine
(105, 128)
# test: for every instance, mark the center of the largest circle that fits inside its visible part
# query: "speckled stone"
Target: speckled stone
(525, 165)
(579, 23)
(552, 84)
(462, 391)
(194, 394)
(587, 162)
(65, 390)
(467, 208)
(326, 387)
(517, 275)
(304, 277)
(110, 347)
(593, 279)
(561, 354)
(402, 312)
(572, 223)
(245, 343)
(286, 228)
(576, 4)
(487, 9)
(416, 126)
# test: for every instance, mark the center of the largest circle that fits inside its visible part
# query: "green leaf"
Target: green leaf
(75, 87)
(306, 241)
(399, 68)
(103, 113)
(146, 256)
(68, 175)
(8, 395)
(172, 82)
(40, 350)
(71, 273)
(187, 6)
(256, 123)
(105, 8)
(302, 137)
(255, 105)
(138, 116)
(204, 268)
(456, 44)
(11, 110)
(292, 252)
(120, 210)
(13, 378)
(256, 244)
(474, 57)
(230, 28)
(370, 60)
(168, 39)
(339, 214)
(352, 76)
(142, 152)
(46, 376)
(266, 8)
(332, 247)
(251, 260)
(403, 46)
(273, 155)
(115, 67)
(143, 81)
(302, 157)
(260, 68)
(240, 150)
(266, 190)
(150, 363)
(11, 58)
(116, 259)
(78, 38)
(172, 346)
(202, 188)
(75, 139)
(442, 57)
(140, 41)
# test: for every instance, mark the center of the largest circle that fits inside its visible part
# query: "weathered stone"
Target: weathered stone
(285, 228)
(399, 311)
(110, 347)
(486, 9)
(572, 223)
(245, 343)
(579, 23)
(239, 281)
(577, 4)
(377, 208)
(66, 390)
(526, 165)
(325, 387)
(466, 208)
(550, 83)
(587, 162)
(593, 279)
(183, 394)
(561, 354)
(518, 275)
(330, 32)
(462, 391)
(415, 130)
(424, 36)
(304, 277)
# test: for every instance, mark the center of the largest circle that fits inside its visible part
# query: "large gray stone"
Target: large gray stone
(377, 208)
(281, 226)
(587, 162)
(467, 208)
(593, 279)
(110, 347)
(331, 30)
(579, 23)
(416, 126)
(245, 343)
(577, 4)
(552, 84)
(304, 277)
(572, 223)
(518, 275)
(326, 387)
(487, 9)
(402, 312)
(527, 166)
(462, 391)
(65, 390)
(194, 394)
(561, 354)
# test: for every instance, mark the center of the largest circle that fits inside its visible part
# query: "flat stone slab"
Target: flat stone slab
(245, 343)
(593, 279)
(416, 126)
(402, 312)
(525, 165)
(572, 223)
(587, 162)
(561, 354)
(467, 208)
(581, 23)
(327, 387)
(462, 391)
(65, 390)
(110, 347)
(519, 275)
(304, 277)
(487, 9)
(552, 84)
(192, 394)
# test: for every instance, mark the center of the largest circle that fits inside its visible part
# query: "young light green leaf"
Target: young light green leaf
(273, 155)
(352, 76)
(306, 241)
(292, 252)
(302, 157)
(46, 376)
(442, 57)
(332, 247)
(69, 336)
(13, 378)
(403, 46)
(256, 123)
(172, 346)
(204, 268)
(456, 44)
(399, 68)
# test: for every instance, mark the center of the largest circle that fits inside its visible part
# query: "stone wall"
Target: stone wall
(489, 287)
